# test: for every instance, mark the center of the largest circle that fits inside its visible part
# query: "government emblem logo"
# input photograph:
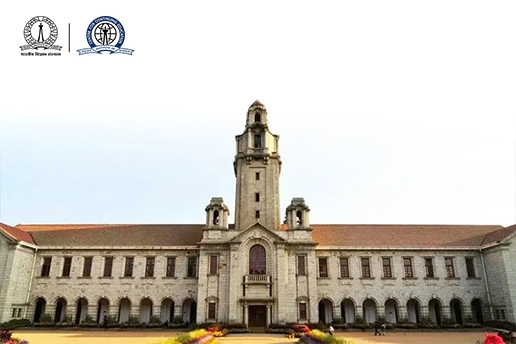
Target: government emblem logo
(105, 34)
(40, 33)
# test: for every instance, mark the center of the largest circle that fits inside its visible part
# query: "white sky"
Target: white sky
(388, 111)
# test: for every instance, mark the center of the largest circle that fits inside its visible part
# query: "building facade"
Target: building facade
(261, 269)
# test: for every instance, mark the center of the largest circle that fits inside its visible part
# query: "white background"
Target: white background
(388, 111)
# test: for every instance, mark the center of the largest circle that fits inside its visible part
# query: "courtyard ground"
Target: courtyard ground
(152, 337)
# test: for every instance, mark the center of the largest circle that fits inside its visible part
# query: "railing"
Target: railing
(250, 279)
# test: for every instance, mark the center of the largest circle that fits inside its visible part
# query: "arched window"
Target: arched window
(216, 218)
(257, 117)
(257, 260)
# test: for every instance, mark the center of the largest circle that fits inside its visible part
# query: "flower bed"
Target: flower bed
(6, 338)
(193, 337)
(318, 337)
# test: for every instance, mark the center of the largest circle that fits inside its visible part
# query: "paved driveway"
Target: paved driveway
(151, 337)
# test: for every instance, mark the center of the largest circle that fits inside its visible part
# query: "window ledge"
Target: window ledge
(126, 277)
(346, 278)
(63, 277)
(84, 277)
(431, 278)
(323, 277)
(298, 275)
(452, 278)
(367, 278)
(190, 277)
(43, 277)
(410, 278)
(169, 277)
(105, 277)
(148, 277)
(388, 278)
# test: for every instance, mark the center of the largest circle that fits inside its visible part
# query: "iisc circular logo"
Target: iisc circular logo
(40, 32)
(105, 34)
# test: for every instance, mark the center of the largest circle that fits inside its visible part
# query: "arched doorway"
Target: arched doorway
(476, 310)
(60, 310)
(413, 311)
(190, 311)
(369, 307)
(145, 310)
(391, 311)
(124, 310)
(82, 310)
(102, 310)
(167, 310)
(40, 309)
(456, 310)
(257, 260)
(347, 311)
(325, 311)
(435, 311)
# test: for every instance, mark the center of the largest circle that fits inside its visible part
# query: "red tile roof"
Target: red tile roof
(378, 236)
(499, 235)
(396, 236)
(115, 235)
(16, 233)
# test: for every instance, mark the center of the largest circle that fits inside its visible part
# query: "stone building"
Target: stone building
(261, 269)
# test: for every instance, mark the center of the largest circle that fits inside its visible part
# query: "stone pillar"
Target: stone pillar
(71, 310)
(113, 312)
(178, 311)
(281, 286)
(234, 283)
(268, 315)
(246, 311)
(135, 311)
(156, 310)
(336, 312)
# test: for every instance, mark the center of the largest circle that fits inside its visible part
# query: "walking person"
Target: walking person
(331, 330)
(384, 327)
(377, 329)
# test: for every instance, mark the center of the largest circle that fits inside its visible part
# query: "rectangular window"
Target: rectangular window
(257, 214)
(108, 266)
(212, 308)
(470, 267)
(257, 176)
(302, 311)
(429, 267)
(171, 266)
(86, 271)
(257, 197)
(323, 267)
(366, 269)
(257, 141)
(450, 271)
(15, 311)
(344, 267)
(67, 265)
(149, 267)
(45, 268)
(214, 265)
(387, 268)
(407, 266)
(18, 315)
(192, 267)
(128, 270)
(301, 265)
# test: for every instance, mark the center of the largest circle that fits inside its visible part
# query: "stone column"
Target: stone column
(246, 311)
(135, 311)
(268, 315)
